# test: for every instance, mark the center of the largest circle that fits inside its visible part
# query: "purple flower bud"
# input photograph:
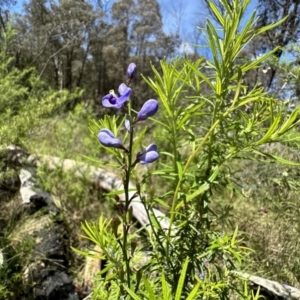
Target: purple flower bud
(131, 71)
(149, 109)
(112, 100)
(107, 139)
(127, 124)
(149, 155)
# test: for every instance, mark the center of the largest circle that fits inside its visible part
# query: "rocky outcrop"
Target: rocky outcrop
(38, 222)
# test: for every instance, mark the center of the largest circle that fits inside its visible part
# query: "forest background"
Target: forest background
(59, 58)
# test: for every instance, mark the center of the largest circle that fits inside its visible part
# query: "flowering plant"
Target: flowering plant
(188, 255)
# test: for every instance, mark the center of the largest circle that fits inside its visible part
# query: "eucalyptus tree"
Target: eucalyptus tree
(55, 37)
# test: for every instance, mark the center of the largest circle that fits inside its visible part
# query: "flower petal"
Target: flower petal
(127, 124)
(149, 155)
(122, 88)
(149, 109)
(151, 147)
(109, 100)
(123, 98)
(107, 139)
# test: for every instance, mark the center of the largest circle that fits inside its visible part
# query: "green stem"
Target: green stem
(190, 159)
(192, 156)
(126, 221)
(174, 139)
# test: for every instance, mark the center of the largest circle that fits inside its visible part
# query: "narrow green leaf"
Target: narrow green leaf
(193, 293)
(149, 289)
(240, 42)
(290, 121)
(179, 169)
(154, 222)
(131, 293)
(227, 7)
(139, 138)
(214, 175)
(165, 287)
(255, 63)
(159, 87)
(199, 73)
(270, 26)
(213, 43)
(271, 130)
(162, 203)
(218, 88)
(234, 236)
(106, 269)
(181, 280)
(188, 113)
(204, 187)
(216, 12)
(276, 158)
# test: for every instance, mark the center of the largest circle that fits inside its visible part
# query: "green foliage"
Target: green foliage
(15, 257)
(203, 133)
(24, 99)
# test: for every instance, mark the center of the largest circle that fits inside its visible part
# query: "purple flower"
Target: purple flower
(149, 155)
(149, 109)
(112, 100)
(131, 71)
(127, 124)
(201, 276)
(107, 139)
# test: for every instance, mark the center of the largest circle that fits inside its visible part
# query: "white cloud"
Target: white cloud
(186, 48)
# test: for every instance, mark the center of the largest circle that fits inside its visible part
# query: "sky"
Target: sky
(185, 16)
(180, 16)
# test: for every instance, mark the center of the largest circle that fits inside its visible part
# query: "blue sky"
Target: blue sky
(182, 16)
(185, 16)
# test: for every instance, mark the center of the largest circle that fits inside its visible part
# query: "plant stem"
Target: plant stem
(126, 220)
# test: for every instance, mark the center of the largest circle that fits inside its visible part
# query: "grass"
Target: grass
(268, 214)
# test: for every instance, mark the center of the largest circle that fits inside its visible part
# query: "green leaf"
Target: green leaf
(228, 8)
(161, 202)
(204, 187)
(216, 12)
(149, 289)
(181, 280)
(131, 293)
(213, 43)
(277, 158)
(138, 139)
(194, 292)
(179, 169)
(214, 175)
(290, 123)
(270, 26)
(233, 239)
(256, 63)
(240, 43)
(165, 287)
(273, 127)
(218, 87)
(106, 269)
(154, 222)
